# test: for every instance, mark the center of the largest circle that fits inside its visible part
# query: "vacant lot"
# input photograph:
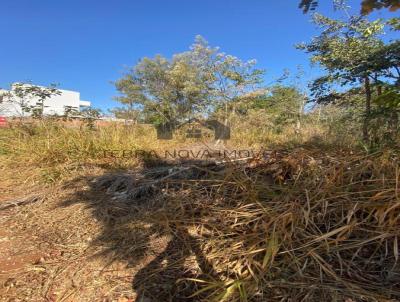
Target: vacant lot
(306, 223)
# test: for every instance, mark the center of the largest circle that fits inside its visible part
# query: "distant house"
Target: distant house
(55, 105)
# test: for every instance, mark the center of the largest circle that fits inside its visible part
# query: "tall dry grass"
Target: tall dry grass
(302, 226)
(58, 150)
(314, 223)
(294, 226)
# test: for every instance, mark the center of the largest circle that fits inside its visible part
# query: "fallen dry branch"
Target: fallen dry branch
(292, 226)
(140, 184)
(295, 226)
(20, 202)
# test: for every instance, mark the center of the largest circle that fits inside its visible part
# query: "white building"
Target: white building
(10, 105)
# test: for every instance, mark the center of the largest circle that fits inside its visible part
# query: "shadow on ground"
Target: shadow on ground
(145, 225)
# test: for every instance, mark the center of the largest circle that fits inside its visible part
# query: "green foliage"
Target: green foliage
(165, 90)
(192, 83)
(345, 48)
(22, 92)
(90, 115)
(282, 105)
(352, 52)
(390, 98)
(127, 113)
(394, 23)
(70, 112)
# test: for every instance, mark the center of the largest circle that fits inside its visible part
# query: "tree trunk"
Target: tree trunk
(367, 87)
(395, 115)
(394, 123)
(379, 90)
(226, 123)
(300, 114)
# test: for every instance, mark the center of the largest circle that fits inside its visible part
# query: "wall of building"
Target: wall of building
(55, 105)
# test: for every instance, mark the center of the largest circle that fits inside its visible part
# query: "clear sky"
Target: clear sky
(84, 45)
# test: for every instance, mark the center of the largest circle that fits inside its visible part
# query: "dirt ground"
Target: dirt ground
(184, 230)
(75, 242)
(48, 251)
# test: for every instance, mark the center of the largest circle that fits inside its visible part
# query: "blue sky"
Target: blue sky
(84, 45)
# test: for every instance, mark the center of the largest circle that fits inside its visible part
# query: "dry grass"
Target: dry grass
(55, 152)
(299, 225)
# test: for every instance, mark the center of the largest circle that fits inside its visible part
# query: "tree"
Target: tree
(351, 52)
(126, 113)
(190, 84)
(367, 6)
(234, 81)
(70, 112)
(90, 115)
(283, 104)
(165, 90)
(22, 95)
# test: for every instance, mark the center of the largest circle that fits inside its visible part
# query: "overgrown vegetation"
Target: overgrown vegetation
(315, 216)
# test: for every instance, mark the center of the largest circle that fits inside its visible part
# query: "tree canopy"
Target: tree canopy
(367, 6)
(353, 52)
(189, 84)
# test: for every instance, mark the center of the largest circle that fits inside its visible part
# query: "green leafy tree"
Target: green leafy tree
(191, 84)
(22, 95)
(70, 112)
(284, 105)
(90, 115)
(235, 81)
(126, 113)
(352, 53)
(166, 90)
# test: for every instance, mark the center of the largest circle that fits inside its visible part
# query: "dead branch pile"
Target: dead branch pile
(297, 226)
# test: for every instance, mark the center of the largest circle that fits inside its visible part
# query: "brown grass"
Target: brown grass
(298, 225)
